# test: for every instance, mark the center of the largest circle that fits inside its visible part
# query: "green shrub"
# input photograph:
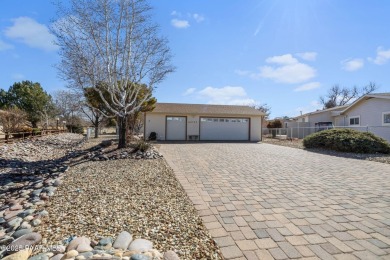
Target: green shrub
(36, 131)
(347, 140)
(76, 128)
(142, 146)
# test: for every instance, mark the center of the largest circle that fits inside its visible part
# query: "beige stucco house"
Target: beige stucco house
(370, 113)
(180, 122)
(327, 115)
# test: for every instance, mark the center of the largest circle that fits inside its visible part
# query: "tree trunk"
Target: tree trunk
(122, 125)
(96, 127)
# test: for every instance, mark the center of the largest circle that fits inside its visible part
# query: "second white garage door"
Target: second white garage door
(224, 129)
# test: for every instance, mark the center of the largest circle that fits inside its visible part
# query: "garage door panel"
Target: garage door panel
(224, 129)
(176, 128)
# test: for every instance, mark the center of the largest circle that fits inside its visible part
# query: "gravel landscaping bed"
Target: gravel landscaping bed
(101, 199)
(80, 200)
(383, 158)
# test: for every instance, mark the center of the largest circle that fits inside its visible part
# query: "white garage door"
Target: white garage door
(176, 128)
(224, 129)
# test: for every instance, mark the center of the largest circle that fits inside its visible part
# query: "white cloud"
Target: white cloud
(182, 21)
(309, 56)
(308, 86)
(352, 64)
(189, 91)
(282, 59)
(284, 69)
(181, 24)
(32, 33)
(226, 95)
(382, 56)
(5, 46)
(198, 18)
(295, 73)
(242, 72)
(312, 107)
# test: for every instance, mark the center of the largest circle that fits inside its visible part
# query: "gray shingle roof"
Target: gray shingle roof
(203, 109)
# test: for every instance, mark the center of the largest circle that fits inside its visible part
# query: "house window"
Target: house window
(386, 118)
(354, 120)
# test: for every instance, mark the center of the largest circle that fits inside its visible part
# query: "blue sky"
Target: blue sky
(283, 53)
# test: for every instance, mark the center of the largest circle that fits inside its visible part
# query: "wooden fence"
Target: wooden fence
(11, 137)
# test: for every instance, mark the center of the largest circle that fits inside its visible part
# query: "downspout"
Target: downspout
(144, 126)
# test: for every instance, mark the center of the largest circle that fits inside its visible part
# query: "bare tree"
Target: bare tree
(94, 109)
(68, 104)
(340, 96)
(266, 109)
(12, 120)
(111, 44)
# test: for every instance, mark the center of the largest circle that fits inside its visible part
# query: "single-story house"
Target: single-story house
(327, 115)
(370, 112)
(180, 122)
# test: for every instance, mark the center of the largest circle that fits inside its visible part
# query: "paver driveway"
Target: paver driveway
(262, 201)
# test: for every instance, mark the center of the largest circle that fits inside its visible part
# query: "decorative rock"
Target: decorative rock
(21, 232)
(21, 255)
(6, 240)
(132, 252)
(156, 253)
(87, 255)
(57, 182)
(36, 222)
(43, 213)
(11, 201)
(140, 257)
(44, 196)
(25, 225)
(26, 213)
(16, 207)
(84, 248)
(11, 214)
(28, 218)
(105, 241)
(170, 255)
(24, 241)
(82, 242)
(14, 223)
(57, 257)
(70, 254)
(141, 245)
(102, 256)
(123, 240)
(42, 256)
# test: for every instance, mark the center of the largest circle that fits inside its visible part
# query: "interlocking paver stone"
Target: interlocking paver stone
(230, 252)
(286, 202)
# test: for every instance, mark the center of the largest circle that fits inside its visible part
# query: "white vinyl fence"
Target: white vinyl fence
(302, 132)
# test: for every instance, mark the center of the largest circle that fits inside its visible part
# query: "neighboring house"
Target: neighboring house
(172, 121)
(371, 113)
(327, 115)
